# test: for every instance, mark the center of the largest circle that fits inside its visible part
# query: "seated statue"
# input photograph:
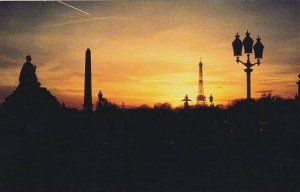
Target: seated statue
(28, 77)
(29, 97)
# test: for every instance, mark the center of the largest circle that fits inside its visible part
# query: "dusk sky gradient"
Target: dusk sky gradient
(145, 52)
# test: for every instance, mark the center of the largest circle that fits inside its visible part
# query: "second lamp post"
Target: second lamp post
(237, 45)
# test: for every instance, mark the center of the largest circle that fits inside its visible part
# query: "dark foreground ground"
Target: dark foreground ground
(244, 148)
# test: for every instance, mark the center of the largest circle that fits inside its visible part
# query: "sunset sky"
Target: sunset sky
(145, 52)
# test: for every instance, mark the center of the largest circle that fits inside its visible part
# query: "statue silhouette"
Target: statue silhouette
(29, 96)
(186, 101)
(100, 96)
(211, 100)
(28, 77)
(104, 104)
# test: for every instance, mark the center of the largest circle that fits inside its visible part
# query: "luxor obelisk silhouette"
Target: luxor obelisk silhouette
(88, 106)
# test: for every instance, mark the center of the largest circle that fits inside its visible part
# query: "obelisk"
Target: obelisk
(88, 106)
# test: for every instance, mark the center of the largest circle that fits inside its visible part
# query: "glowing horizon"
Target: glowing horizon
(148, 52)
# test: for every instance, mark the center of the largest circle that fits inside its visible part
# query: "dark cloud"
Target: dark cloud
(276, 82)
(295, 61)
(9, 63)
(10, 55)
(264, 91)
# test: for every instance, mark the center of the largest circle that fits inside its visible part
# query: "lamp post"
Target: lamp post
(298, 96)
(237, 45)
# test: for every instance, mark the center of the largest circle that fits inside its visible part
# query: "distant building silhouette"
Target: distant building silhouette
(88, 106)
(201, 98)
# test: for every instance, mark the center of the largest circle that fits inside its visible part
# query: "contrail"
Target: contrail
(22, 56)
(83, 21)
(74, 8)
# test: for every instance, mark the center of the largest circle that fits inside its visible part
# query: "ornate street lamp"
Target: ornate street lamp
(237, 45)
(258, 49)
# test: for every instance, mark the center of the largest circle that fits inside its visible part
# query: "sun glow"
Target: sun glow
(149, 55)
